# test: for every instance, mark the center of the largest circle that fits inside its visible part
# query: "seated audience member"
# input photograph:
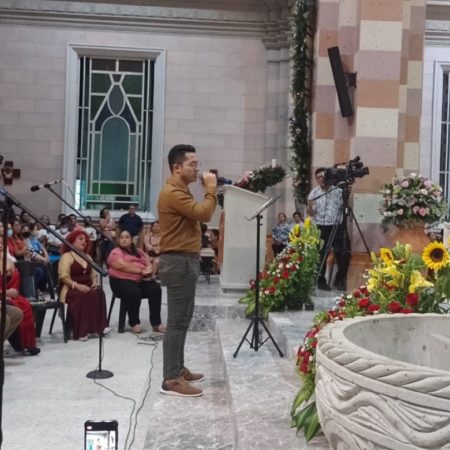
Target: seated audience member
(80, 289)
(280, 234)
(17, 245)
(151, 244)
(73, 221)
(13, 318)
(204, 236)
(92, 233)
(130, 272)
(108, 227)
(37, 252)
(61, 217)
(25, 217)
(298, 220)
(214, 240)
(26, 336)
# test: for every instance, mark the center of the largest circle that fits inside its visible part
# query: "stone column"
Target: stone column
(382, 41)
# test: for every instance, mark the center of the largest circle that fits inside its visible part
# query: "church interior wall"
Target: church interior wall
(215, 98)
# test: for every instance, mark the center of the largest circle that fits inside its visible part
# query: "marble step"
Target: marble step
(262, 386)
(289, 327)
(195, 423)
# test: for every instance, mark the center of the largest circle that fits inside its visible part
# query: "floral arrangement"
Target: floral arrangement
(400, 282)
(413, 199)
(258, 180)
(288, 281)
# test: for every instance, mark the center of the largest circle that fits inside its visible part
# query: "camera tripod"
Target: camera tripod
(343, 246)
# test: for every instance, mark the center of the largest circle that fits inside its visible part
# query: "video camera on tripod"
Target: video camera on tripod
(353, 169)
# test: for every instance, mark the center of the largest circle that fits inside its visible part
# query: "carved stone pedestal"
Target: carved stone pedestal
(383, 382)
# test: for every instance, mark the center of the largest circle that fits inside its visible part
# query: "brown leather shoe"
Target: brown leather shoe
(180, 388)
(192, 377)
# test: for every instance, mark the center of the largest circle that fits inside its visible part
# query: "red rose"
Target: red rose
(356, 293)
(364, 291)
(363, 302)
(314, 343)
(412, 300)
(332, 314)
(394, 307)
(276, 279)
(299, 258)
(272, 289)
(342, 303)
(373, 308)
(263, 275)
(304, 368)
(285, 274)
(406, 310)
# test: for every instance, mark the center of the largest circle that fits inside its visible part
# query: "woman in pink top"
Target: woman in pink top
(130, 276)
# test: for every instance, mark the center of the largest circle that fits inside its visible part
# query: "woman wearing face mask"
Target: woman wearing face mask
(16, 243)
(38, 253)
(130, 272)
(80, 289)
(26, 339)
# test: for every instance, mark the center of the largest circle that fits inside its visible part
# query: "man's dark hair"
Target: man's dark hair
(319, 169)
(177, 154)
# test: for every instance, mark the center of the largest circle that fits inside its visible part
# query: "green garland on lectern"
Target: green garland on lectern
(300, 121)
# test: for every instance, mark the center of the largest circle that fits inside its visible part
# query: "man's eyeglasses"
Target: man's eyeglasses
(195, 164)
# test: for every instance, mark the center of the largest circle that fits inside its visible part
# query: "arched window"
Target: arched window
(115, 115)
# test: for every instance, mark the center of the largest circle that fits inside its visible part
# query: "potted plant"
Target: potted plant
(408, 205)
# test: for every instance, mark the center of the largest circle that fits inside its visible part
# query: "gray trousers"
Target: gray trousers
(179, 273)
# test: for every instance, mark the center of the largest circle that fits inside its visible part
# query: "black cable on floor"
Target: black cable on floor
(153, 340)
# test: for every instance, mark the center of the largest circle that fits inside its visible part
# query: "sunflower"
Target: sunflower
(386, 256)
(435, 256)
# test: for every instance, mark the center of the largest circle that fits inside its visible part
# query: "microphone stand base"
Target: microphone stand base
(99, 374)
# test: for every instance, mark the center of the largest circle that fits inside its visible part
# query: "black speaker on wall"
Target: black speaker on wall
(341, 81)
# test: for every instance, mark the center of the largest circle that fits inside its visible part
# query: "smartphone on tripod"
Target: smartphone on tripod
(101, 435)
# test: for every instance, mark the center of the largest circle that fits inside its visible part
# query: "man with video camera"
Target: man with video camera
(325, 207)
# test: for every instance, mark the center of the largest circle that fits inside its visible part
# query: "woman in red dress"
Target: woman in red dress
(80, 289)
(26, 330)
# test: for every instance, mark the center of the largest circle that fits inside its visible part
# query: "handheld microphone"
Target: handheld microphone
(40, 186)
(220, 180)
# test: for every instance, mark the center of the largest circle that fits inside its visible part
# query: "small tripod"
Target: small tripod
(256, 341)
(345, 211)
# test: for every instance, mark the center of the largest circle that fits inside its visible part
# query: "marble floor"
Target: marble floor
(47, 398)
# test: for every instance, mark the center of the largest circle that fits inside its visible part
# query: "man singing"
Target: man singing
(180, 217)
(325, 206)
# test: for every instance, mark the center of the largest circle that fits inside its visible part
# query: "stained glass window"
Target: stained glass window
(114, 133)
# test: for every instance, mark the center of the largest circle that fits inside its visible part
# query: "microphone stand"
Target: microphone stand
(6, 209)
(99, 232)
(98, 373)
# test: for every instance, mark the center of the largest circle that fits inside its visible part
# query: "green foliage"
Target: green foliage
(258, 180)
(288, 281)
(397, 283)
(300, 121)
